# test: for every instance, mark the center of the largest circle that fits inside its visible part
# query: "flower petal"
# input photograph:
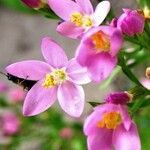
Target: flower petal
(77, 73)
(86, 6)
(53, 53)
(31, 69)
(38, 99)
(71, 98)
(101, 66)
(69, 29)
(64, 8)
(101, 12)
(126, 140)
(102, 140)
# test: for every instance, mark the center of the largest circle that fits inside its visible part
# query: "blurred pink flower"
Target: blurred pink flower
(9, 123)
(111, 126)
(78, 16)
(56, 78)
(98, 51)
(16, 94)
(3, 87)
(66, 133)
(131, 22)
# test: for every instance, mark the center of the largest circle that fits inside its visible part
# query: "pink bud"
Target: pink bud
(131, 22)
(16, 95)
(66, 133)
(10, 123)
(3, 87)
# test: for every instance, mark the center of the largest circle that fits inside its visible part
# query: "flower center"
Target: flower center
(101, 41)
(81, 20)
(110, 120)
(54, 78)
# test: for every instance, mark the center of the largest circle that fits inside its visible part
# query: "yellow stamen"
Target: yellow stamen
(147, 13)
(110, 120)
(54, 78)
(101, 41)
(80, 20)
(77, 18)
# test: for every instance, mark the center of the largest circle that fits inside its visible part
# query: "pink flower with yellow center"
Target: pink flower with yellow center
(110, 126)
(98, 51)
(78, 16)
(58, 78)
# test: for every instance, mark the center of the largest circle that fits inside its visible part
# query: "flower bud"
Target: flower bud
(37, 4)
(9, 123)
(66, 133)
(148, 72)
(3, 87)
(119, 98)
(131, 22)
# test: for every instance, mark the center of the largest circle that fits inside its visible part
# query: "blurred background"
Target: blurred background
(21, 31)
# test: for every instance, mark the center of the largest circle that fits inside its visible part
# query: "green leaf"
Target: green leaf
(94, 104)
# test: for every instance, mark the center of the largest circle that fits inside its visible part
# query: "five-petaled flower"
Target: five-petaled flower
(98, 51)
(110, 126)
(58, 78)
(78, 16)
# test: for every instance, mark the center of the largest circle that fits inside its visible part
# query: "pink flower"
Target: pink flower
(34, 3)
(3, 87)
(110, 126)
(10, 123)
(78, 16)
(66, 133)
(98, 51)
(16, 94)
(131, 22)
(58, 78)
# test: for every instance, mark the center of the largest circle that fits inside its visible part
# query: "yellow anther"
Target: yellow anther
(110, 120)
(77, 18)
(146, 13)
(87, 22)
(54, 78)
(101, 41)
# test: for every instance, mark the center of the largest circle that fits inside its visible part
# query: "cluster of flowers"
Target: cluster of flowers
(96, 56)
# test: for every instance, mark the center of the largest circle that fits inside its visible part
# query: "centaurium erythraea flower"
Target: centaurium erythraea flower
(131, 22)
(98, 51)
(110, 126)
(58, 78)
(78, 16)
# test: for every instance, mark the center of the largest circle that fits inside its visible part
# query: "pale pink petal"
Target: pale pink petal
(101, 12)
(38, 99)
(126, 140)
(101, 66)
(64, 8)
(125, 116)
(69, 29)
(77, 73)
(53, 53)
(71, 98)
(86, 6)
(102, 140)
(31, 69)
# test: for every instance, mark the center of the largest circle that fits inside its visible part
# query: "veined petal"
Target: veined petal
(71, 98)
(38, 99)
(102, 140)
(30, 69)
(126, 140)
(101, 66)
(53, 53)
(101, 12)
(64, 8)
(86, 6)
(77, 73)
(69, 29)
